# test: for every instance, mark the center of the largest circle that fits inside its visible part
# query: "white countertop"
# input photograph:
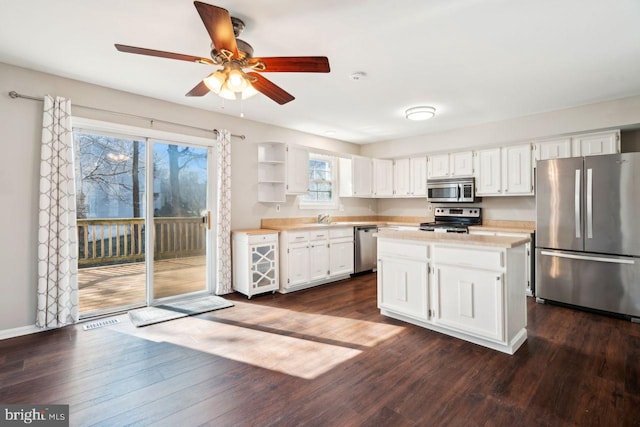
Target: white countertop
(458, 238)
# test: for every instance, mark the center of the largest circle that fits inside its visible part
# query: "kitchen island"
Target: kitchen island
(467, 286)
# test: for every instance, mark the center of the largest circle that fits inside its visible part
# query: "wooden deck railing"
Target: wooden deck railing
(121, 240)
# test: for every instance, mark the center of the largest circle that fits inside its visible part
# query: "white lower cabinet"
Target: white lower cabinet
(403, 286)
(318, 260)
(468, 291)
(341, 257)
(297, 264)
(403, 278)
(255, 262)
(311, 258)
(470, 300)
(528, 269)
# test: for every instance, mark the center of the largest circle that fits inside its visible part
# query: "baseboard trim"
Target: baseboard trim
(17, 332)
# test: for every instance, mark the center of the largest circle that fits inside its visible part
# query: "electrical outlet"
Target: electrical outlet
(429, 208)
(277, 208)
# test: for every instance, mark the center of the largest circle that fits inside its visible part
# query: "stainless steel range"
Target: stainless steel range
(453, 220)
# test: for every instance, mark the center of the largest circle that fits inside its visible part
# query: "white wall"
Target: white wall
(20, 132)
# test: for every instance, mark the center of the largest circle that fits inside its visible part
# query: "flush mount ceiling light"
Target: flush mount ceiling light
(420, 113)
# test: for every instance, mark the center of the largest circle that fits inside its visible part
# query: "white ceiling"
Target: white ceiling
(476, 61)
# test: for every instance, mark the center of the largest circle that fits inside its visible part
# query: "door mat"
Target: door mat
(165, 312)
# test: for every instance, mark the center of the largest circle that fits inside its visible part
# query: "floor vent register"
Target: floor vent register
(99, 324)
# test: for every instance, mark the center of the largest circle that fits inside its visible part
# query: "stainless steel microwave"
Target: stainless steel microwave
(451, 190)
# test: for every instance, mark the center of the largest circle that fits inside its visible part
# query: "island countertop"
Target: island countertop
(456, 238)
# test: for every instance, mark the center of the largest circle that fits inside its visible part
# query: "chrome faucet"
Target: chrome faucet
(324, 218)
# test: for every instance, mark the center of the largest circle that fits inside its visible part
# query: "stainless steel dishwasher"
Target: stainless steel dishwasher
(365, 248)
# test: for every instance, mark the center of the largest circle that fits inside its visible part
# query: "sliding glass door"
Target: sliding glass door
(144, 220)
(110, 203)
(181, 219)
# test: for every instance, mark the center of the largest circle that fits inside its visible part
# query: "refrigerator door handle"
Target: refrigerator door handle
(589, 203)
(588, 258)
(577, 219)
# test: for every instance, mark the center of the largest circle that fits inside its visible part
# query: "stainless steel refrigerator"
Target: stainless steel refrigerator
(588, 232)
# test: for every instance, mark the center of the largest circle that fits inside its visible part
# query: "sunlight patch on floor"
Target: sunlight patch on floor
(262, 336)
(320, 326)
(292, 356)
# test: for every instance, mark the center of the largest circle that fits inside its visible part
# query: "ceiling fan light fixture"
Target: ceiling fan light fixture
(248, 92)
(214, 81)
(235, 55)
(420, 113)
(227, 94)
(236, 81)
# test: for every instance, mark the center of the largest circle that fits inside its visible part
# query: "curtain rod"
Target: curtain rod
(13, 94)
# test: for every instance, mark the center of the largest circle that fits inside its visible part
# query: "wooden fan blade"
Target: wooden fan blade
(293, 64)
(270, 89)
(162, 54)
(218, 24)
(200, 89)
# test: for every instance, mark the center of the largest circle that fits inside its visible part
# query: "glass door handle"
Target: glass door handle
(207, 220)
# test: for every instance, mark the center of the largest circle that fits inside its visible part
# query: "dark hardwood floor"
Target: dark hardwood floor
(326, 357)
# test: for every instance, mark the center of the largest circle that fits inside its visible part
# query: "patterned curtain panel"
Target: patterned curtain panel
(223, 278)
(57, 235)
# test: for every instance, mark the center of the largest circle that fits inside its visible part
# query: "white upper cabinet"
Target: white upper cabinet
(591, 144)
(410, 177)
(402, 177)
(382, 178)
(461, 164)
(438, 166)
(419, 176)
(453, 164)
(596, 143)
(362, 177)
(488, 172)
(345, 177)
(506, 171)
(517, 170)
(553, 149)
(297, 170)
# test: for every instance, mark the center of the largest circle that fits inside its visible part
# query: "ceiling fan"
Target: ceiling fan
(235, 56)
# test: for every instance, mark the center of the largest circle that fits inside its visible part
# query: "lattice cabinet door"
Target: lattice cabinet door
(263, 267)
(255, 262)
